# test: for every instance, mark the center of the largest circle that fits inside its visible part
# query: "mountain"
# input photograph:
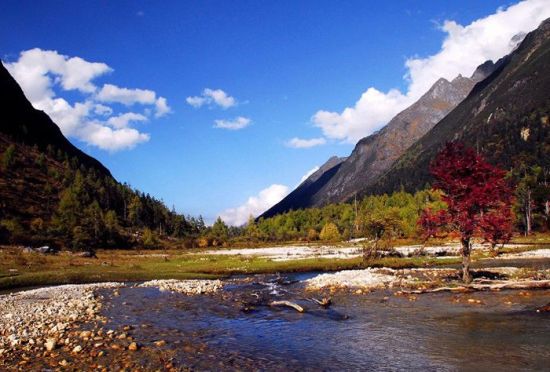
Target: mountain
(301, 196)
(373, 155)
(506, 117)
(24, 124)
(53, 193)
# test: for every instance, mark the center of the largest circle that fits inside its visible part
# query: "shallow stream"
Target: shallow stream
(376, 331)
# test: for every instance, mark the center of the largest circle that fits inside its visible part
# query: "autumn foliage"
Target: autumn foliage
(478, 199)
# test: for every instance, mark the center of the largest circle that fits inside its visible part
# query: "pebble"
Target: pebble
(40, 320)
(50, 344)
(77, 349)
(133, 346)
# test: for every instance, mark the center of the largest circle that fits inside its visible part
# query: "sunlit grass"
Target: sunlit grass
(19, 269)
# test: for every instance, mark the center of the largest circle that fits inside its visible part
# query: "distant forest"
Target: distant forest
(53, 199)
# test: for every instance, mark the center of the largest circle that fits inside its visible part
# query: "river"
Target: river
(377, 331)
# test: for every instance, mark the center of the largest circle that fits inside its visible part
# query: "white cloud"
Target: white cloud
(196, 101)
(112, 93)
(299, 143)
(212, 97)
(34, 66)
(255, 205)
(68, 117)
(462, 50)
(41, 73)
(102, 109)
(219, 97)
(162, 108)
(235, 124)
(112, 139)
(122, 120)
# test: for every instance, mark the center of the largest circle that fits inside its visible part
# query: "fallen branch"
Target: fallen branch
(293, 305)
(526, 284)
(324, 302)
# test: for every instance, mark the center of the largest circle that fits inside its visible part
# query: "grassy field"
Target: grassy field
(19, 269)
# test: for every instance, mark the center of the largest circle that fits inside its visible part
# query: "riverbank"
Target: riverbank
(227, 325)
(25, 269)
(43, 320)
(429, 280)
(51, 327)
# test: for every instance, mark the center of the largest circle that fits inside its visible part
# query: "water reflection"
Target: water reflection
(435, 332)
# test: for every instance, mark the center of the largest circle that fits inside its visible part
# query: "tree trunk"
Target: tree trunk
(494, 249)
(528, 214)
(466, 276)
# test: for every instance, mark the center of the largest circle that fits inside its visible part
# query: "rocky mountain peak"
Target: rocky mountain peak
(374, 155)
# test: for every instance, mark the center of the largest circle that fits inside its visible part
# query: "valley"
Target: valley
(427, 247)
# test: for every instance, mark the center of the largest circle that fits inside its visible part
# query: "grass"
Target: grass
(18, 269)
(535, 239)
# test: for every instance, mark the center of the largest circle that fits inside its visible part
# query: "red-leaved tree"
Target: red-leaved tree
(496, 227)
(432, 223)
(478, 199)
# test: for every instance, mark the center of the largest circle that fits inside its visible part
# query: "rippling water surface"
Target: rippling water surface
(378, 331)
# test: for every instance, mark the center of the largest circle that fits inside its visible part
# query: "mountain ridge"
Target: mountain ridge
(491, 119)
(21, 121)
(374, 154)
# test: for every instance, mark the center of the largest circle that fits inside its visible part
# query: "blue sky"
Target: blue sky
(281, 61)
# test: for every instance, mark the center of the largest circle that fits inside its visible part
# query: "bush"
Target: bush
(37, 225)
(81, 238)
(8, 158)
(330, 233)
(203, 242)
(11, 231)
(149, 239)
(312, 235)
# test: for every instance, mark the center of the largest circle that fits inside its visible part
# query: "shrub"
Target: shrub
(312, 235)
(330, 232)
(149, 239)
(8, 158)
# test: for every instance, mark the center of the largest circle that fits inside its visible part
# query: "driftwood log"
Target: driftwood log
(523, 284)
(293, 305)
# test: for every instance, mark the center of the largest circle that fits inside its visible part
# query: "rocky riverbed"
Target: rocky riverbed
(62, 326)
(231, 324)
(42, 321)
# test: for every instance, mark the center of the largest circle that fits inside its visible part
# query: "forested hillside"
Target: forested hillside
(51, 192)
